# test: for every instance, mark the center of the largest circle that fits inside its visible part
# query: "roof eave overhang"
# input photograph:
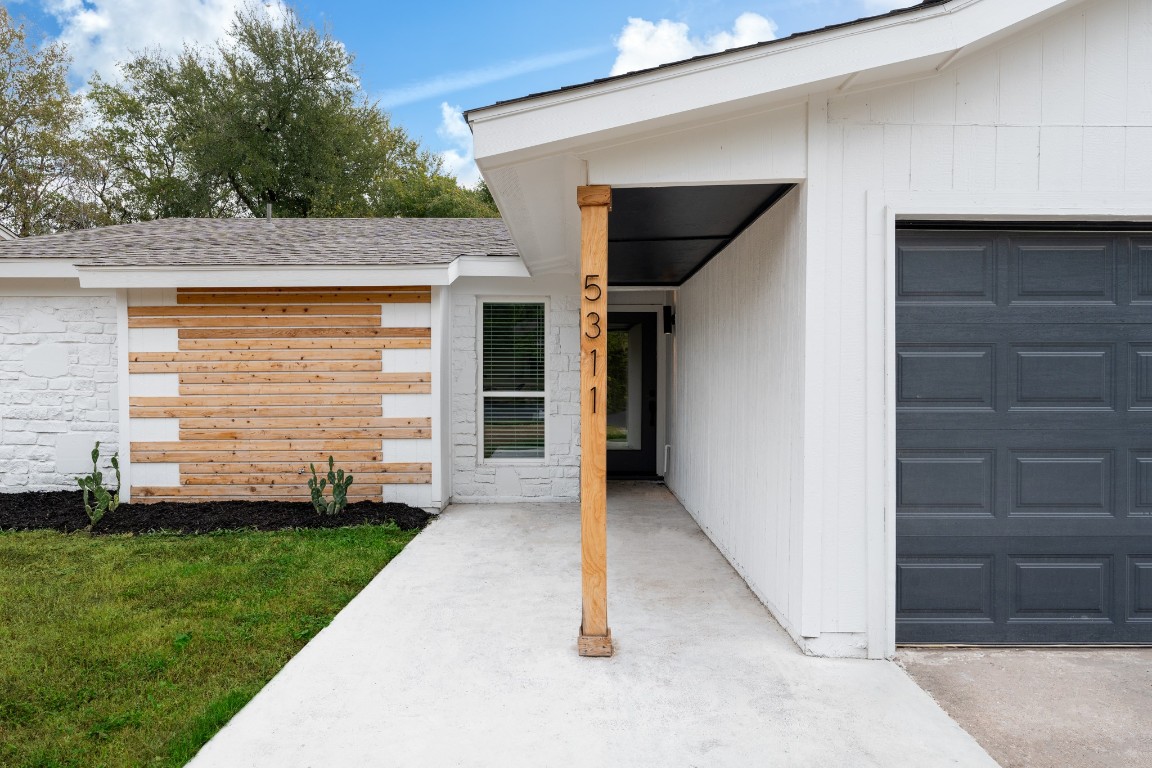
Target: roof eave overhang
(94, 276)
(755, 77)
(38, 269)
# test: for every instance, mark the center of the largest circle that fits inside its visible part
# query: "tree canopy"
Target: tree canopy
(39, 147)
(272, 114)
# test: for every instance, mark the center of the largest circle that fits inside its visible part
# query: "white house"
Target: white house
(879, 311)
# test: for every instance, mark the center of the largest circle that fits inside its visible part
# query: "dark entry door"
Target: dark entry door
(632, 394)
(1024, 437)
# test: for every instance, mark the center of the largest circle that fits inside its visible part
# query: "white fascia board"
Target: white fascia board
(318, 276)
(291, 277)
(564, 120)
(37, 268)
(487, 266)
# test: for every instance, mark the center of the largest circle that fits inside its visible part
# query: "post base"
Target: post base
(594, 645)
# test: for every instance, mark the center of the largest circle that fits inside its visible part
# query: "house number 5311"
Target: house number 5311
(592, 329)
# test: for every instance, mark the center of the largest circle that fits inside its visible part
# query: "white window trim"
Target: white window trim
(480, 394)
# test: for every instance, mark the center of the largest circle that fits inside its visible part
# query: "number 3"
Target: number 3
(594, 321)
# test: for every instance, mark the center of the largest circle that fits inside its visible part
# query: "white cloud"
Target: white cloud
(458, 81)
(458, 161)
(102, 33)
(643, 44)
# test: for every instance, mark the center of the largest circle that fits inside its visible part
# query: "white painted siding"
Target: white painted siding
(57, 386)
(764, 146)
(736, 417)
(1065, 107)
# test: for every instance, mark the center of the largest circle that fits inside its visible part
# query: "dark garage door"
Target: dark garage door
(1024, 437)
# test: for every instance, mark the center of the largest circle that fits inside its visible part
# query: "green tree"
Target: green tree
(273, 114)
(40, 152)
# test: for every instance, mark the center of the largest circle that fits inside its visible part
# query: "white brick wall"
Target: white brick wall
(558, 476)
(57, 388)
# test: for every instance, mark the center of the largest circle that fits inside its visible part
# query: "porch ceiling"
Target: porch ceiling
(660, 236)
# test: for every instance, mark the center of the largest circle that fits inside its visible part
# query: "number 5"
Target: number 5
(589, 285)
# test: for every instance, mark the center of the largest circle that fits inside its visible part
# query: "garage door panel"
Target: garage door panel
(946, 483)
(1140, 482)
(1053, 589)
(1034, 313)
(1140, 588)
(1045, 483)
(1141, 274)
(1064, 376)
(1139, 376)
(1057, 272)
(1024, 438)
(946, 376)
(1006, 474)
(931, 272)
(1030, 420)
(950, 588)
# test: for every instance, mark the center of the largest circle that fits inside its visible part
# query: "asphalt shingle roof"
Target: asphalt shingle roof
(271, 242)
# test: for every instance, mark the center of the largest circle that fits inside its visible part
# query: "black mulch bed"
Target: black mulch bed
(64, 511)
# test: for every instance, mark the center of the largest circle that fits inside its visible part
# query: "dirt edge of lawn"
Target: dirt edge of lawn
(64, 511)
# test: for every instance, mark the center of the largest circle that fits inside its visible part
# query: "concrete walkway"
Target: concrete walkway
(462, 653)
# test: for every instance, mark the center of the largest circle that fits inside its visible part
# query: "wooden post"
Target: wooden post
(594, 202)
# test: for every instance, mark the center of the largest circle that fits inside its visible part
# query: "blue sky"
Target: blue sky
(426, 60)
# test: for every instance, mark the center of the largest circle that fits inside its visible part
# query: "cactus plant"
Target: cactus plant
(339, 483)
(93, 484)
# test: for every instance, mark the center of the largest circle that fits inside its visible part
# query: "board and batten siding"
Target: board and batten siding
(234, 392)
(737, 413)
(1060, 111)
(1066, 106)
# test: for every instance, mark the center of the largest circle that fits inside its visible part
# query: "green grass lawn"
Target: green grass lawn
(135, 650)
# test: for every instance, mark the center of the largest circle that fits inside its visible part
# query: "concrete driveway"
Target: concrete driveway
(462, 652)
(1082, 708)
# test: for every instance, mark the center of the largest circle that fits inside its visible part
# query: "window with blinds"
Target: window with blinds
(512, 378)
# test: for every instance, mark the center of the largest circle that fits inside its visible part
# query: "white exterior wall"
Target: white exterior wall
(1057, 120)
(557, 476)
(58, 394)
(766, 145)
(736, 417)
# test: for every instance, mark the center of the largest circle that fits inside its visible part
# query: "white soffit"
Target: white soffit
(580, 117)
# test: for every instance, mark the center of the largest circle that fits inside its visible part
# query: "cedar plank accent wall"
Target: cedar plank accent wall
(272, 379)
